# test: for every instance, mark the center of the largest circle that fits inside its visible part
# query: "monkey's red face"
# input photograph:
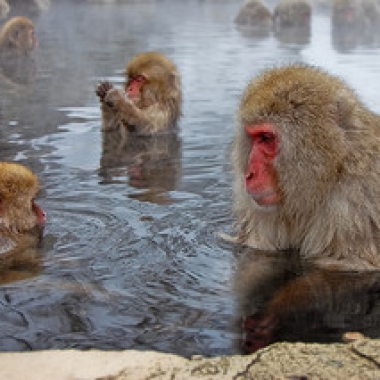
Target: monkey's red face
(32, 39)
(40, 218)
(260, 177)
(134, 87)
(40, 214)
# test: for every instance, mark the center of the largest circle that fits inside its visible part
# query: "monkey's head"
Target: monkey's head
(346, 13)
(18, 35)
(293, 13)
(18, 210)
(296, 130)
(152, 78)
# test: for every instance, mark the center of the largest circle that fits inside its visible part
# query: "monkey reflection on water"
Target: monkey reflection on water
(152, 163)
(281, 299)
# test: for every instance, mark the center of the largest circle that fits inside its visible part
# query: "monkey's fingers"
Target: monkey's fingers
(102, 89)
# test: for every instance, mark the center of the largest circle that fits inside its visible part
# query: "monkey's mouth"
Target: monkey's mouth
(269, 198)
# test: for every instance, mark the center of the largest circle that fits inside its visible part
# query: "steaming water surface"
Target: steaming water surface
(130, 258)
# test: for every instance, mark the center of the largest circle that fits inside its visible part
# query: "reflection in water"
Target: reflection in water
(18, 71)
(24, 265)
(298, 35)
(344, 39)
(254, 33)
(280, 299)
(153, 163)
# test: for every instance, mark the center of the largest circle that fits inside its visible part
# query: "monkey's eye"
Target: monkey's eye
(267, 142)
(265, 137)
(139, 78)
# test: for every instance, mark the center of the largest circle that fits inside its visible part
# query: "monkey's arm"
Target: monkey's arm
(6, 244)
(110, 118)
(148, 120)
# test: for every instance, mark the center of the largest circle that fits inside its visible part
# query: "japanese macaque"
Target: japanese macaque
(21, 219)
(307, 169)
(292, 13)
(254, 13)
(4, 9)
(17, 37)
(358, 14)
(151, 101)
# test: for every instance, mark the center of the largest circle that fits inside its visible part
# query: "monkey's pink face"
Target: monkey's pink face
(40, 214)
(134, 87)
(33, 38)
(261, 178)
(30, 38)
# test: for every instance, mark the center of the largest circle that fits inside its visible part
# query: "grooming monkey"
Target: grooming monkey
(151, 101)
(307, 169)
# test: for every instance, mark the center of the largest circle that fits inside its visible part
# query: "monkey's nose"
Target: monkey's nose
(249, 176)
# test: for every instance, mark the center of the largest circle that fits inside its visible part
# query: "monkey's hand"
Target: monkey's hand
(114, 99)
(259, 330)
(102, 89)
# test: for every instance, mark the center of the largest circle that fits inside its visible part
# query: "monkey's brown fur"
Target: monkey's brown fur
(20, 227)
(328, 169)
(18, 186)
(160, 104)
(15, 36)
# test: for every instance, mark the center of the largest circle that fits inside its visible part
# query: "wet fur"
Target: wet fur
(18, 221)
(328, 169)
(160, 105)
(14, 37)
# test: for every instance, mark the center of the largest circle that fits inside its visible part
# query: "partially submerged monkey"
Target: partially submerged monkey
(22, 220)
(151, 101)
(17, 37)
(307, 169)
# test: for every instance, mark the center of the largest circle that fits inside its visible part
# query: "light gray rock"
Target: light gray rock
(358, 360)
